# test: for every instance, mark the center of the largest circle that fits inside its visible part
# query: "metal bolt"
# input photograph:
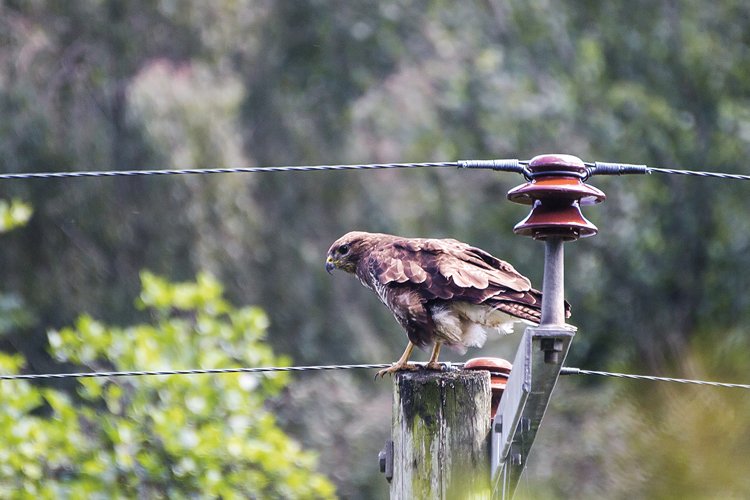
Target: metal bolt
(385, 460)
(498, 424)
(552, 348)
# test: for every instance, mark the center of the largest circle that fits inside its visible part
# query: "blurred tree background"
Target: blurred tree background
(147, 84)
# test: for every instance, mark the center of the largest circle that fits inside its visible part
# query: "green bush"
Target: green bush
(196, 436)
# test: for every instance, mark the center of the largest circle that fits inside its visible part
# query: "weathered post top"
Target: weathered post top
(441, 425)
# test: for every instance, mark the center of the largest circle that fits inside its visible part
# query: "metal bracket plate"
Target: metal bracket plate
(536, 368)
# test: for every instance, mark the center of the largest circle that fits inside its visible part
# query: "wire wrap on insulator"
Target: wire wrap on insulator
(503, 165)
(607, 168)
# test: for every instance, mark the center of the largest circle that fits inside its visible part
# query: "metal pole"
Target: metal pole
(553, 286)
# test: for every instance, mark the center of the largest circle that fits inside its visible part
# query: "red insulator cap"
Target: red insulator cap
(556, 192)
(551, 163)
(552, 188)
(499, 372)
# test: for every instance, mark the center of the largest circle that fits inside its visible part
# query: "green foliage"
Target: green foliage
(14, 214)
(156, 437)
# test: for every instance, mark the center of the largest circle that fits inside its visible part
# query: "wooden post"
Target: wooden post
(441, 426)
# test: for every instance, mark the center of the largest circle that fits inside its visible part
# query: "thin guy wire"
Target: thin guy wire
(578, 371)
(201, 371)
(184, 171)
(719, 175)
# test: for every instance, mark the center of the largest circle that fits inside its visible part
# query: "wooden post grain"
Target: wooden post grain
(441, 425)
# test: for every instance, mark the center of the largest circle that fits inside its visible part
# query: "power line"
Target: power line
(578, 371)
(232, 170)
(719, 175)
(267, 369)
(606, 168)
(196, 371)
(504, 165)
(509, 165)
(208, 371)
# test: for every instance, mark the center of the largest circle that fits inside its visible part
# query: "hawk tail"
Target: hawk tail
(528, 307)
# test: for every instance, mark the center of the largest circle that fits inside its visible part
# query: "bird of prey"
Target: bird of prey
(441, 291)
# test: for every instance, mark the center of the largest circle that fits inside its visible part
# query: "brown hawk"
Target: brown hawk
(441, 291)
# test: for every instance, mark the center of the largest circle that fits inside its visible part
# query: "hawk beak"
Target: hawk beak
(330, 266)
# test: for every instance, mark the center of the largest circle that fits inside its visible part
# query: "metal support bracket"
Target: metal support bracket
(535, 371)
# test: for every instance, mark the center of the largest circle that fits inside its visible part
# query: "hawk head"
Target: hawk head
(346, 251)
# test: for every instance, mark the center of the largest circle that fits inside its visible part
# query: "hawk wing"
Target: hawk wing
(449, 270)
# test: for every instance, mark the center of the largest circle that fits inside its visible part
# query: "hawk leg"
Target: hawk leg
(433, 364)
(399, 365)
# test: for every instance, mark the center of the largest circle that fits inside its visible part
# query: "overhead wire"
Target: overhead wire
(505, 165)
(578, 371)
(719, 175)
(372, 366)
(195, 371)
(228, 170)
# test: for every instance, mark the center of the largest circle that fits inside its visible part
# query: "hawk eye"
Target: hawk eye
(344, 249)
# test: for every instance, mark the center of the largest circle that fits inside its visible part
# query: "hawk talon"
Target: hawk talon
(395, 367)
(434, 365)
